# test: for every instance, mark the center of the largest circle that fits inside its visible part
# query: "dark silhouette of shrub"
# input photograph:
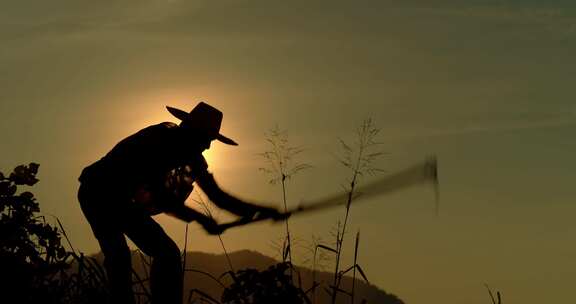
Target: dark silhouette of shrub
(30, 249)
(35, 267)
(273, 285)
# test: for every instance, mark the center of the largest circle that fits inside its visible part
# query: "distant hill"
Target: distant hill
(216, 265)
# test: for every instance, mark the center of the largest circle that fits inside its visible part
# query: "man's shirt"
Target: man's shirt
(159, 164)
(146, 158)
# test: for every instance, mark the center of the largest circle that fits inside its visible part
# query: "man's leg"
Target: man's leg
(118, 267)
(166, 276)
(106, 227)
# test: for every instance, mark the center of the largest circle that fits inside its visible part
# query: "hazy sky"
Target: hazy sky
(487, 86)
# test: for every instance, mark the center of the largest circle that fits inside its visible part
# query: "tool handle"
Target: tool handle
(415, 175)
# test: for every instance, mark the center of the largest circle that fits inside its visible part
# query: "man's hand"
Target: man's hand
(260, 214)
(271, 213)
(211, 226)
(188, 215)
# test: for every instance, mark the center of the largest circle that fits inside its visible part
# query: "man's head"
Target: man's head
(203, 122)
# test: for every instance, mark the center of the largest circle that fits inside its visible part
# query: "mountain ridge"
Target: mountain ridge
(207, 272)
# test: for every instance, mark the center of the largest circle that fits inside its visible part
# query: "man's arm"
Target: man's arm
(188, 215)
(226, 201)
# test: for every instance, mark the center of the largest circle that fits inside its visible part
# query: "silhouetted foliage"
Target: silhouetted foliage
(282, 166)
(30, 249)
(35, 266)
(359, 160)
(273, 285)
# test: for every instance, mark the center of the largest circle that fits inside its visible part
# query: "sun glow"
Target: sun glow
(210, 156)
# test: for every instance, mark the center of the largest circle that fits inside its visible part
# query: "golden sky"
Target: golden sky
(487, 86)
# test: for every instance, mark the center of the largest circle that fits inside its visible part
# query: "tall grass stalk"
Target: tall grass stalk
(317, 255)
(498, 295)
(281, 167)
(185, 249)
(359, 159)
(355, 263)
(208, 213)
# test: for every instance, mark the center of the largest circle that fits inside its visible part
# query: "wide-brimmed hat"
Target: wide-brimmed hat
(204, 118)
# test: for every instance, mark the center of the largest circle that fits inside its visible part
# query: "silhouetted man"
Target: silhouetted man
(149, 173)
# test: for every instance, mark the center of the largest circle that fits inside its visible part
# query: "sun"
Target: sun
(214, 156)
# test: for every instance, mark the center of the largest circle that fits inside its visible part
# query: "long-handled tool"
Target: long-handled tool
(425, 172)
